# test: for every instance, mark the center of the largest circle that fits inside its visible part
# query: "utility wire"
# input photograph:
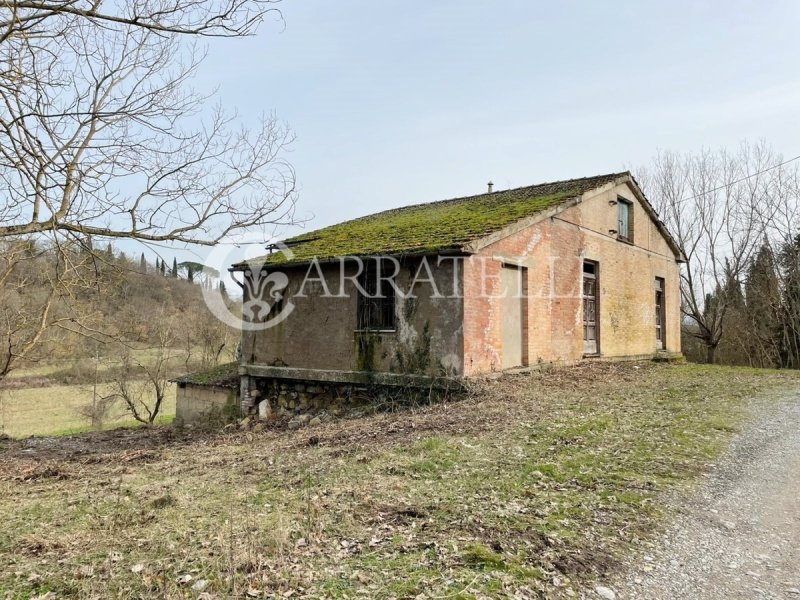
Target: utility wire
(757, 173)
(716, 189)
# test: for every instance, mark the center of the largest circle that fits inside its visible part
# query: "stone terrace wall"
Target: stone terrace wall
(272, 397)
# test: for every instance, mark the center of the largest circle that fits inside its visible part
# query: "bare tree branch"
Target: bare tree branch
(213, 18)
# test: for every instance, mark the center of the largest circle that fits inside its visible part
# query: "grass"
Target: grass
(45, 399)
(54, 410)
(54, 368)
(534, 486)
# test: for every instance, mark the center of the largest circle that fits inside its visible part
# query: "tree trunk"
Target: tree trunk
(711, 352)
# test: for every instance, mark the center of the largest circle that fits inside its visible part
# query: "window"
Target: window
(660, 315)
(376, 308)
(625, 219)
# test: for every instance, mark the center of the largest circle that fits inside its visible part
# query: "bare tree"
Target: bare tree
(719, 206)
(216, 340)
(37, 283)
(101, 136)
(217, 18)
(142, 383)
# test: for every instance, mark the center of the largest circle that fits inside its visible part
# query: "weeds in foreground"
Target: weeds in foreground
(534, 485)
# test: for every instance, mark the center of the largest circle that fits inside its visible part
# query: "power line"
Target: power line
(756, 174)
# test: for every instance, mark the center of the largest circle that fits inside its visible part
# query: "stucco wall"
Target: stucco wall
(553, 251)
(195, 403)
(320, 332)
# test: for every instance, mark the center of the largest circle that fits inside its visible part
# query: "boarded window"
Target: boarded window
(376, 304)
(625, 219)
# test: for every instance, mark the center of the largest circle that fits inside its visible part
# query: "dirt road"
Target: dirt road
(739, 537)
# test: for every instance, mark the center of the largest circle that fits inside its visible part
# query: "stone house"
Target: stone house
(551, 273)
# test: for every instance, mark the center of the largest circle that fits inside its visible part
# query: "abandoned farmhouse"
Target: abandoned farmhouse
(551, 273)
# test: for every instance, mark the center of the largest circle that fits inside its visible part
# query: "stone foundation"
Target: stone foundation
(268, 397)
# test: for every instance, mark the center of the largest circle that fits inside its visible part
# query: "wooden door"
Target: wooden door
(660, 315)
(591, 336)
(514, 319)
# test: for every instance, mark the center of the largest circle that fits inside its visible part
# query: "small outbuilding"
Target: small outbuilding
(208, 396)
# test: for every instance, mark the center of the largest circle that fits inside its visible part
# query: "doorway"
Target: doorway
(591, 336)
(660, 341)
(514, 316)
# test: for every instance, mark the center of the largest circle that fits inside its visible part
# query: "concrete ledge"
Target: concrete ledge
(658, 356)
(655, 357)
(356, 377)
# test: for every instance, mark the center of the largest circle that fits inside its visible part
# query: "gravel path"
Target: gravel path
(739, 537)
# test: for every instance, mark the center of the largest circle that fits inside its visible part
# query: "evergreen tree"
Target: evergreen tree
(790, 274)
(223, 292)
(142, 264)
(190, 274)
(763, 310)
(175, 267)
(163, 269)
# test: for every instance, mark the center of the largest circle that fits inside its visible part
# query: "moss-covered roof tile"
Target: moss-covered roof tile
(226, 375)
(431, 227)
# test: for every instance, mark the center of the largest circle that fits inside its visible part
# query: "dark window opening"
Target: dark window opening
(376, 304)
(625, 219)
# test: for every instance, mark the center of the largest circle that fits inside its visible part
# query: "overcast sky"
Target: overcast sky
(397, 103)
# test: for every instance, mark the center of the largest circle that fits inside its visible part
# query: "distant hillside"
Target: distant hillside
(106, 305)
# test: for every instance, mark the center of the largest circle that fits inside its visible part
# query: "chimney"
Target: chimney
(491, 186)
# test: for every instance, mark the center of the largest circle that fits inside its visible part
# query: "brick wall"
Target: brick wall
(553, 250)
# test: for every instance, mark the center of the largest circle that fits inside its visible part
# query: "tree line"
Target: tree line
(734, 215)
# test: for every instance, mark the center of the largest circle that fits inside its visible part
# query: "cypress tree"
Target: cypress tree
(790, 275)
(764, 310)
(174, 267)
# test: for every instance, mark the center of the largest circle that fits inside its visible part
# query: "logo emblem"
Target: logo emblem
(264, 302)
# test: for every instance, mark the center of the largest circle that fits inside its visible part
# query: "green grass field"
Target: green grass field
(54, 410)
(534, 486)
(49, 407)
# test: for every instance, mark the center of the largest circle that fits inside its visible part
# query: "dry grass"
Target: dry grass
(533, 486)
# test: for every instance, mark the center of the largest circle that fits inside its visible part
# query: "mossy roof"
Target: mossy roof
(432, 227)
(226, 375)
